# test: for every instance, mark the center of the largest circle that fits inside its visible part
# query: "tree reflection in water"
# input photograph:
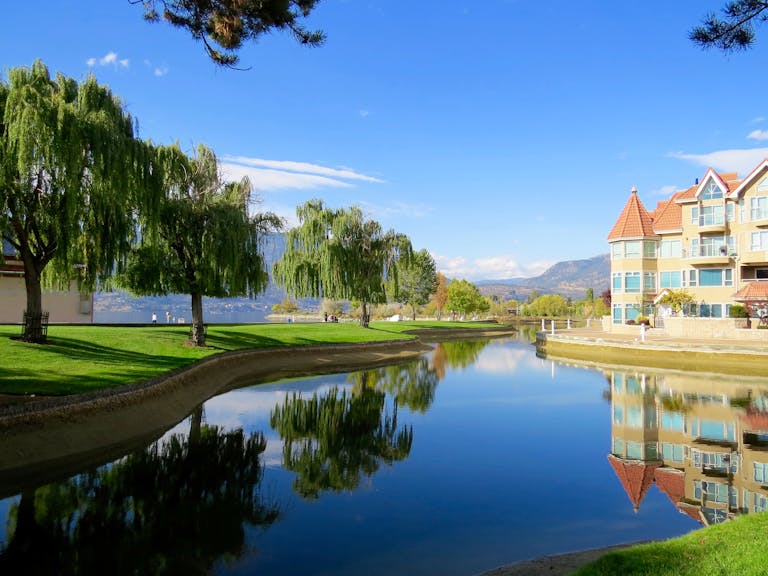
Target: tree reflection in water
(175, 508)
(412, 384)
(330, 441)
(460, 354)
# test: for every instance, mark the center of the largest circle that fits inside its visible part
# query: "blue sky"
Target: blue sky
(503, 135)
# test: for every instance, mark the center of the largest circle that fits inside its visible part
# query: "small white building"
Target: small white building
(70, 306)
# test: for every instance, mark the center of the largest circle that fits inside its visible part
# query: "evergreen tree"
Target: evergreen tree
(223, 25)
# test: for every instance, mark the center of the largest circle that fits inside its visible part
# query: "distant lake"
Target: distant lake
(475, 455)
(212, 317)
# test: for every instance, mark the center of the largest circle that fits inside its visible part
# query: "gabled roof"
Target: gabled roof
(668, 216)
(636, 477)
(726, 181)
(671, 482)
(686, 196)
(757, 174)
(634, 220)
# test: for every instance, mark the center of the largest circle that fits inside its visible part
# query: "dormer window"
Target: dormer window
(712, 191)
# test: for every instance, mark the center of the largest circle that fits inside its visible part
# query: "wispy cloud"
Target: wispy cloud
(490, 268)
(395, 210)
(738, 160)
(758, 135)
(285, 174)
(665, 191)
(109, 59)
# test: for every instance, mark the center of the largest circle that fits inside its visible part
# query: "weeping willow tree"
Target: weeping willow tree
(339, 254)
(206, 242)
(73, 176)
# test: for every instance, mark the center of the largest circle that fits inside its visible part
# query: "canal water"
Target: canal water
(475, 455)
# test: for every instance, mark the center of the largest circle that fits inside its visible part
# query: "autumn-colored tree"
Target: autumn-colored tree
(440, 297)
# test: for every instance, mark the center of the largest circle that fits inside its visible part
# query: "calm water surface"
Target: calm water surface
(476, 455)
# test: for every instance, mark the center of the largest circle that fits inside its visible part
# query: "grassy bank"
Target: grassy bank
(735, 547)
(83, 358)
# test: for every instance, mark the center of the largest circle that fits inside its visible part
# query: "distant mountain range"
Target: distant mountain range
(570, 279)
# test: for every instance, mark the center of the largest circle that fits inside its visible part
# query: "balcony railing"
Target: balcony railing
(758, 214)
(711, 220)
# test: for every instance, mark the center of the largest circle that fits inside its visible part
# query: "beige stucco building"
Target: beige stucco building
(701, 439)
(710, 240)
(70, 306)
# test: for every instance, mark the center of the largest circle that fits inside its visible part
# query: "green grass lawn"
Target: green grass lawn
(739, 546)
(82, 358)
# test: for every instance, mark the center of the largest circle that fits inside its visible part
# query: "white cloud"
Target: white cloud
(398, 209)
(489, 268)
(109, 59)
(161, 71)
(758, 135)
(741, 161)
(300, 168)
(266, 179)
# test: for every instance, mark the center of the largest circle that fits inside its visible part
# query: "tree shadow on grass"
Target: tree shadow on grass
(92, 352)
(236, 340)
(110, 367)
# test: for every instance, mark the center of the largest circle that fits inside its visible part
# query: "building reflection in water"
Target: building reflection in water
(702, 439)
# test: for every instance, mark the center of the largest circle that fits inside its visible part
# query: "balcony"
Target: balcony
(712, 222)
(708, 255)
(759, 216)
(754, 257)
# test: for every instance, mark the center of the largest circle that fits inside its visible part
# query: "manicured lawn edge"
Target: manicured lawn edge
(734, 547)
(81, 359)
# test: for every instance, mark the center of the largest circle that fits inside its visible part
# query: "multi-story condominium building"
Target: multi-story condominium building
(711, 240)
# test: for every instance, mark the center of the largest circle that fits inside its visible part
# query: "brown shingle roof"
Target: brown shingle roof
(634, 220)
(635, 476)
(671, 481)
(668, 215)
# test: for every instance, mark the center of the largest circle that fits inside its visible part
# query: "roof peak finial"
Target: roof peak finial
(634, 190)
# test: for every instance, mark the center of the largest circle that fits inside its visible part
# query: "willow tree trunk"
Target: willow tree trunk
(195, 426)
(364, 317)
(198, 328)
(33, 315)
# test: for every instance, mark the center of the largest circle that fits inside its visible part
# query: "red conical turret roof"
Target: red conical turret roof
(634, 221)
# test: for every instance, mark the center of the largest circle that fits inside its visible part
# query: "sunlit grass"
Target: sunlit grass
(82, 358)
(735, 547)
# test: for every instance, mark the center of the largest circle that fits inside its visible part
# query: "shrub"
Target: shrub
(738, 311)
(631, 322)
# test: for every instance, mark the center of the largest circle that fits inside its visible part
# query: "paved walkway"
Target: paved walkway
(657, 339)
